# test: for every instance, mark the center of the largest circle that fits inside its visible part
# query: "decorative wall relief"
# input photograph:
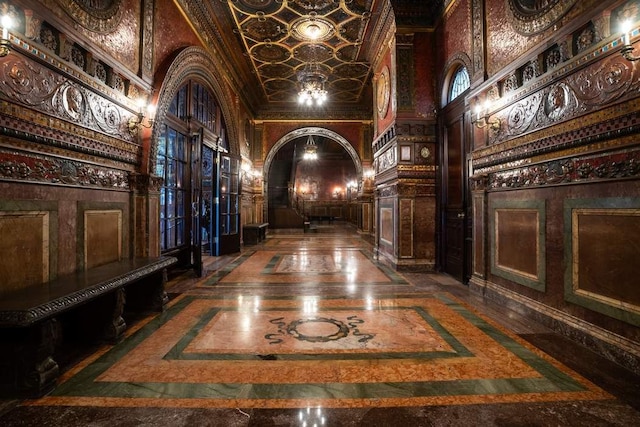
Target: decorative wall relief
(586, 38)
(51, 170)
(533, 16)
(406, 68)
(28, 83)
(147, 39)
(582, 92)
(530, 71)
(100, 16)
(478, 38)
(386, 161)
(625, 164)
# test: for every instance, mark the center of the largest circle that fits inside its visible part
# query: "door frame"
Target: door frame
(454, 112)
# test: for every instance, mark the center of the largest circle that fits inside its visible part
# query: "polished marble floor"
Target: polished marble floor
(310, 329)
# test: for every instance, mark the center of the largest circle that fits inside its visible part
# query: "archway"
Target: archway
(298, 137)
(194, 149)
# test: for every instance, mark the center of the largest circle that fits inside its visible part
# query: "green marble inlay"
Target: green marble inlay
(544, 368)
(459, 350)
(214, 279)
(219, 274)
(552, 379)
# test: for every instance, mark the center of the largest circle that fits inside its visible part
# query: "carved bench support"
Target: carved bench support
(83, 307)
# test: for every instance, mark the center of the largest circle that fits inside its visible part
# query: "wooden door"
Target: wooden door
(229, 204)
(196, 197)
(454, 192)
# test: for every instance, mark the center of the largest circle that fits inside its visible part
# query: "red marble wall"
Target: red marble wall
(425, 75)
(506, 45)
(171, 34)
(453, 37)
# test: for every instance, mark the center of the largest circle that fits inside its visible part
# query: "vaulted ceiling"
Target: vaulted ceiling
(272, 44)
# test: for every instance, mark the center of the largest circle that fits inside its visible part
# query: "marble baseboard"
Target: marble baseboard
(605, 343)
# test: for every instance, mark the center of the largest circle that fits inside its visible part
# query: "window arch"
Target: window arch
(459, 83)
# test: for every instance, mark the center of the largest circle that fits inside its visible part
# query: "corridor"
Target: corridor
(310, 330)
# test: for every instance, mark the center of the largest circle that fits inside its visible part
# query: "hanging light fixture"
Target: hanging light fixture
(310, 149)
(312, 90)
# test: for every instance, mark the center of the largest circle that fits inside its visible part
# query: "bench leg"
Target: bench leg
(116, 326)
(28, 368)
(148, 294)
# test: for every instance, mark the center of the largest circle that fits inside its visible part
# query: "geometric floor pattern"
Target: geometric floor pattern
(312, 323)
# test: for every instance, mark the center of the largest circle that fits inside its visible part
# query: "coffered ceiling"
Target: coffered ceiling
(271, 44)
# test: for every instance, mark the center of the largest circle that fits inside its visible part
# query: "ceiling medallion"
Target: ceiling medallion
(312, 29)
(313, 4)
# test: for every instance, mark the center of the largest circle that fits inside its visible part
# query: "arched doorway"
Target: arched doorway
(195, 153)
(296, 187)
(455, 249)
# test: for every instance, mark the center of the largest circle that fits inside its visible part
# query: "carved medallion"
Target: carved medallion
(533, 16)
(383, 89)
(101, 16)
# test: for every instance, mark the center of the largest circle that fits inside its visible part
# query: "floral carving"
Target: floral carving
(590, 88)
(534, 16)
(610, 80)
(510, 83)
(553, 58)
(48, 39)
(77, 57)
(58, 171)
(530, 71)
(586, 39)
(610, 166)
(101, 72)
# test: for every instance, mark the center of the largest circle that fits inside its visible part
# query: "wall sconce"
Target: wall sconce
(5, 44)
(627, 48)
(482, 116)
(136, 122)
(369, 174)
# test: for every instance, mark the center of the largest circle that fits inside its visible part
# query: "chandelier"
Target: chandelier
(310, 149)
(311, 86)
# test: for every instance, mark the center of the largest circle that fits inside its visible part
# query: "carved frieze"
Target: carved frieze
(385, 161)
(571, 170)
(147, 38)
(389, 191)
(28, 83)
(579, 93)
(16, 166)
(406, 68)
(32, 131)
(478, 38)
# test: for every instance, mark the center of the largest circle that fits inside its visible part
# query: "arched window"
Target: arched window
(459, 83)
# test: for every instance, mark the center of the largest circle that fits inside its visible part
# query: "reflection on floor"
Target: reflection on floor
(312, 330)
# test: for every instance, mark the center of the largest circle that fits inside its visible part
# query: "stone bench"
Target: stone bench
(252, 234)
(88, 303)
